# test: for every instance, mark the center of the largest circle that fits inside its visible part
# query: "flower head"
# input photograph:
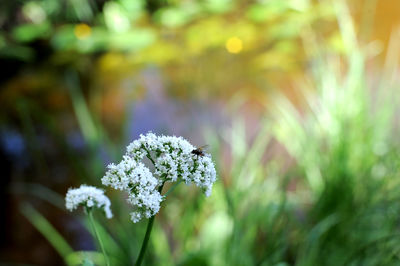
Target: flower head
(135, 178)
(89, 197)
(172, 158)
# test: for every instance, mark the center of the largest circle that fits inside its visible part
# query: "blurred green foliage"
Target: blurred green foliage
(131, 26)
(107, 42)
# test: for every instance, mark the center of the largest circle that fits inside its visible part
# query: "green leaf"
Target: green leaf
(20, 52)
(88, 258)
(172, 17)
(116, 17)
(64, 38)
(31, 32)
(132, 40)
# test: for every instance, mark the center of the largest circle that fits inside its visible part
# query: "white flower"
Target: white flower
(172, 158)
(88, 196)
(135, 178)
(203, 174)
(147, 204)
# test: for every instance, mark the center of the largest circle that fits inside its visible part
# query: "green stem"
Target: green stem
(89, 211)
(146, 236)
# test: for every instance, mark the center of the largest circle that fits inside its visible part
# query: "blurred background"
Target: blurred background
(297, 100)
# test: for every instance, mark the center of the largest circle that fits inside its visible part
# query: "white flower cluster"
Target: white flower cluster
(173, 160)
(135, 178)
(88, 196)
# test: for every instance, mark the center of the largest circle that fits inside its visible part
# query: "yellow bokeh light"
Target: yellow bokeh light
(82, 31)
(234, 45)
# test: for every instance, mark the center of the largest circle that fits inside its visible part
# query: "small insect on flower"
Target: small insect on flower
(200, 150)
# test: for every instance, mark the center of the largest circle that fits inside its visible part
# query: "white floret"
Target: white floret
(90, 197)
(173, 160)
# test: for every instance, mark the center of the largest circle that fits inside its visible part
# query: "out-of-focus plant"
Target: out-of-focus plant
(90, 26)
(177, 36)
(90, 198)
(174, 160)
(336, 202)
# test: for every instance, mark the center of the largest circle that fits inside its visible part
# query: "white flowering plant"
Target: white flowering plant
(88, 197)
(147, 165)
(173, 160)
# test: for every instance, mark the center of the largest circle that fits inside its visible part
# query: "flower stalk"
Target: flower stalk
(96, 233)
(146, 236)
(174, 159)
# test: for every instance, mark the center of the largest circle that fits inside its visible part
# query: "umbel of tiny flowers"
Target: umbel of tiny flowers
(173, 160)
(90, 198)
